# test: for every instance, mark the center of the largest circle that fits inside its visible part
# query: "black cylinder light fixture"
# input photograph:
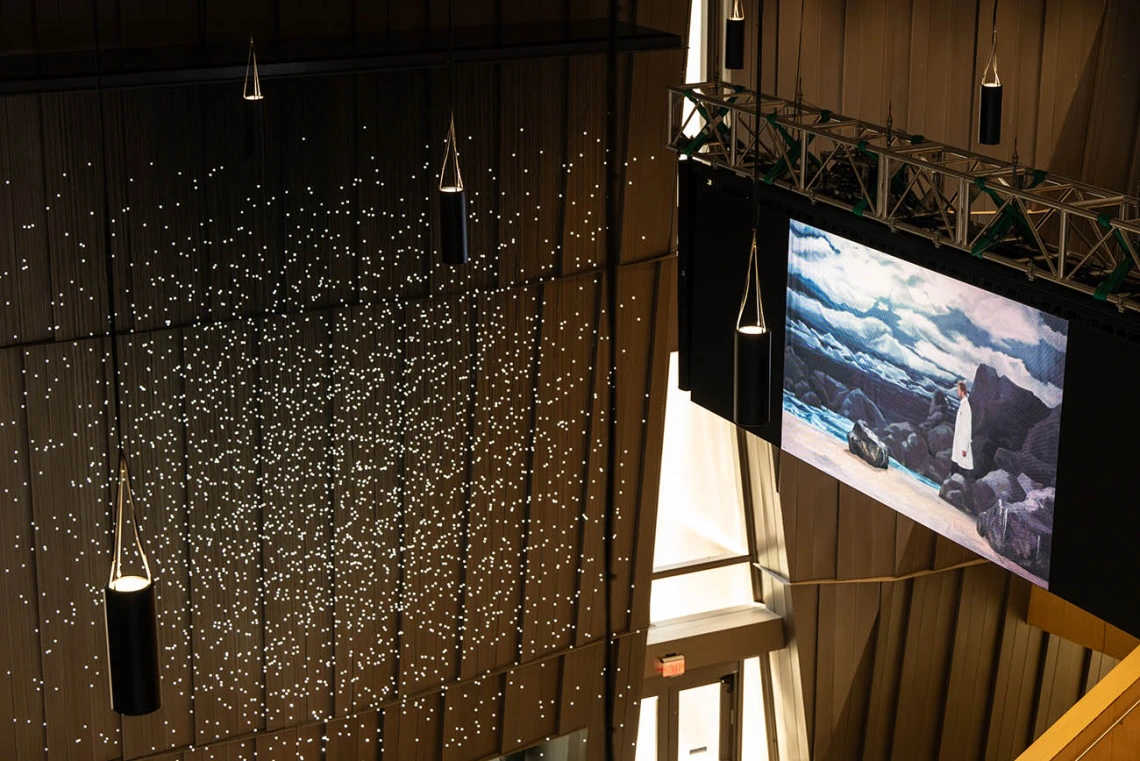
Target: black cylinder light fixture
(452, 205)
(131, 614)
(752, 360)
(989, 123)
(253, 100)
(734, 37)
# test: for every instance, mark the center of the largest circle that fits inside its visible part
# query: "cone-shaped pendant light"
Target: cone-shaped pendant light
(753, 353)
(989, 125)
(452, 204)
(254, 106)
(132, 619)
(734, 37)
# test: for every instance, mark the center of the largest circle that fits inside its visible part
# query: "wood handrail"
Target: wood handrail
(1094, 719)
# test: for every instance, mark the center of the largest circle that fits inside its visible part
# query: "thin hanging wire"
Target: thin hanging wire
(752, 274)
(752, 280)
(251, 67)
(124, 492)
(451, 150)
(799, 57)
(991, 64)
(126, 496)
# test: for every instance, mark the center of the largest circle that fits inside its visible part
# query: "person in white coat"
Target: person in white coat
(962, 454)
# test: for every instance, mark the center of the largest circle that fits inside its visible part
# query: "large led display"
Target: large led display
(934, 397)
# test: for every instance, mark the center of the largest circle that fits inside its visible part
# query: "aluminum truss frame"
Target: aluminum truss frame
(1058, 230)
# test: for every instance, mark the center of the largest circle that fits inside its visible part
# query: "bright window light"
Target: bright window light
(700, 592)
(700, 508)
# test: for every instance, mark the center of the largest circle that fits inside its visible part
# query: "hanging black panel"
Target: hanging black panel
(752, 376)
(453, 226)
(989, 127)
(734, 43)
(132, 646)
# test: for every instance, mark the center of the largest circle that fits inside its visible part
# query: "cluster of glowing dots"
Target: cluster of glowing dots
(338, 447)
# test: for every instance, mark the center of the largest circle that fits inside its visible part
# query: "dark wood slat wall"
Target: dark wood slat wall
(1069, 103)
(367, 430)
(347, 506)
(68, 434)
(20, 670)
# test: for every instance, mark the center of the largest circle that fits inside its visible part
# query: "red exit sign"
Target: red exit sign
(671, 665)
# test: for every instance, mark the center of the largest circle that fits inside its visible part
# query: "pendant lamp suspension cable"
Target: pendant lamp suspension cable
(752, 274)
(991, 63)
(109, 259)
(451, 149)
(799, 58)
(251, 75)
(124, 483)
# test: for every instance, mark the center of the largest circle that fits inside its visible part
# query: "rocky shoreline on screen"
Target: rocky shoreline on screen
(1011, 490)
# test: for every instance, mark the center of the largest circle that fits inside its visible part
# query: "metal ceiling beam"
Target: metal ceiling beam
(1058, 230)
(174, 65)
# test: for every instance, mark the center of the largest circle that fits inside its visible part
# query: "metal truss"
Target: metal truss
(1051, 228)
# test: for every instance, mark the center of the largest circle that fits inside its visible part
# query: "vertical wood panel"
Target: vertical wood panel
(395, 166)
(560, 447)
(21, 692)
(297, 523)
(530, 704)
(1019, 664)
(532, 129)
(225, 531)
(319, 194)
(583, 229)
(68, 440)
(25, 267)
(156, 201)
(437, 451)
(473, 720)
(972, 662)
(354, 739)
(368, 417)
(73, 188)
(924, 667)
(505, 395)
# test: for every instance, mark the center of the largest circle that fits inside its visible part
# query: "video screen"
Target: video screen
(939, 399)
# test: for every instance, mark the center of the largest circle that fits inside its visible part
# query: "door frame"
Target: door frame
(667, 692)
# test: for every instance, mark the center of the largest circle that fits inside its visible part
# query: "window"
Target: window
(701, 555)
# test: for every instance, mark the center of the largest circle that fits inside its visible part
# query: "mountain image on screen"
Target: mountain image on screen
(939, 399)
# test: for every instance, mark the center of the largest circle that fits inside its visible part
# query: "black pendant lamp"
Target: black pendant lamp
(734, 37)
(253, 111)
(752, 353)
(131, 612)
(989, 125)
(452, 204)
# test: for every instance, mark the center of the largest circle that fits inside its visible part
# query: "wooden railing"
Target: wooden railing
(1103, 726)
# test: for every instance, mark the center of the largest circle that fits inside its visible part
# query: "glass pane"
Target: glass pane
(695, 62)
(646, 749)
(755, 724)
(700, 592)
(700, 512)
(698, 723)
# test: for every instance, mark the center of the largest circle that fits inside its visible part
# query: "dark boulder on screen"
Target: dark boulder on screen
(802, 389)
(863, 442)
(1021, 531)
(940, 437)
(937, 468)
(856, 406)
(812, 399)
(1028, 465)
(957, 492)
(995, 485)
(1003, 415)
(828, 389)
